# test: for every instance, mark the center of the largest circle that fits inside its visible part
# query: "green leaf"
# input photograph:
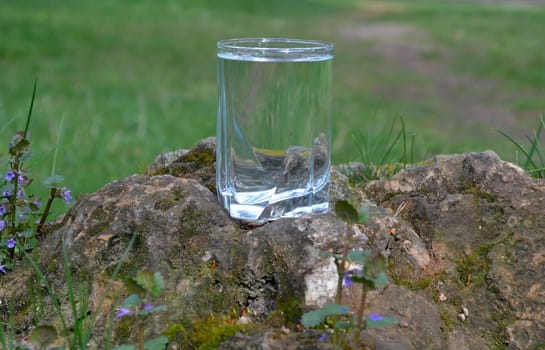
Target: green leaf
(387, 321)
(363, 214)
(133, 287)
(131, 301)
(158, 343)
(158, 284)
(381, 280)
(31, 243)
(358, 256)
(27, 233)
(342, 325)
(145, 279)
(378, 263)
(313, 318)
(125, 347)
(153, 310)
(317, 317)
(346, 212)
(336, 309)
(53, 181)
(43, 335)
(369, 283)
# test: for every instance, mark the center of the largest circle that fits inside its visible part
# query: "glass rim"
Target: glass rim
(266, 46)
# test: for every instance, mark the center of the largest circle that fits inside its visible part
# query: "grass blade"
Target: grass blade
(404, 140)
(30, 108)
(520, 148)
(56, 150)
(77, 329)
(390, 148)
(52, 294)
(534, 142)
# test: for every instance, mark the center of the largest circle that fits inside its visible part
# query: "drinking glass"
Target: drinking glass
(273, 154)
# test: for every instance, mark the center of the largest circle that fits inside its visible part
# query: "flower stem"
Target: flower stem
(341, 265)
(341, 268)
(360, 320)
(140, 335)
(45, 214)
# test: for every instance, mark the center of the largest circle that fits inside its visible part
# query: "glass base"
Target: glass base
(285, 205)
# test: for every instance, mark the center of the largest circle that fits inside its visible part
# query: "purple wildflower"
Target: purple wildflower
(11, 243)
(322, 338)
(3, 269)
(2, 225)
(37, 203)
(20, 179)
(343, 309)
(66, 195)
(6, 194)
(357, 271)
(347, 281)
(148, 307)
(10, 175)
(375, 317)
(20, 193)
(123, 312)
(2, 210)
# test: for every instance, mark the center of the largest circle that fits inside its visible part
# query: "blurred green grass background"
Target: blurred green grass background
(133, 78)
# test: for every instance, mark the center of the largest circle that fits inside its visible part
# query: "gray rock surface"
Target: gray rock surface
(482, 221)
(463, 235)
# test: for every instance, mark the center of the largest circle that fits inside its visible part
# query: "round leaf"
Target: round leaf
(346, 212)
(125, 347)
(43, 336)
(145, 280)
(363, 215)
(313, 318)
(158, 284)
(131, 301)
(158, 343)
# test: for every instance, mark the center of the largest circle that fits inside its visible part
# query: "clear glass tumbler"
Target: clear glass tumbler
(273, 155)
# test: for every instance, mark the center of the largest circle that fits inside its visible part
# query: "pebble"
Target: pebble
(465, 311)
(244, 320)
(442, 297)
(464, 314)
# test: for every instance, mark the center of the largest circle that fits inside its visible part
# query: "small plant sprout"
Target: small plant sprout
(353, 267)
(138, 305)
